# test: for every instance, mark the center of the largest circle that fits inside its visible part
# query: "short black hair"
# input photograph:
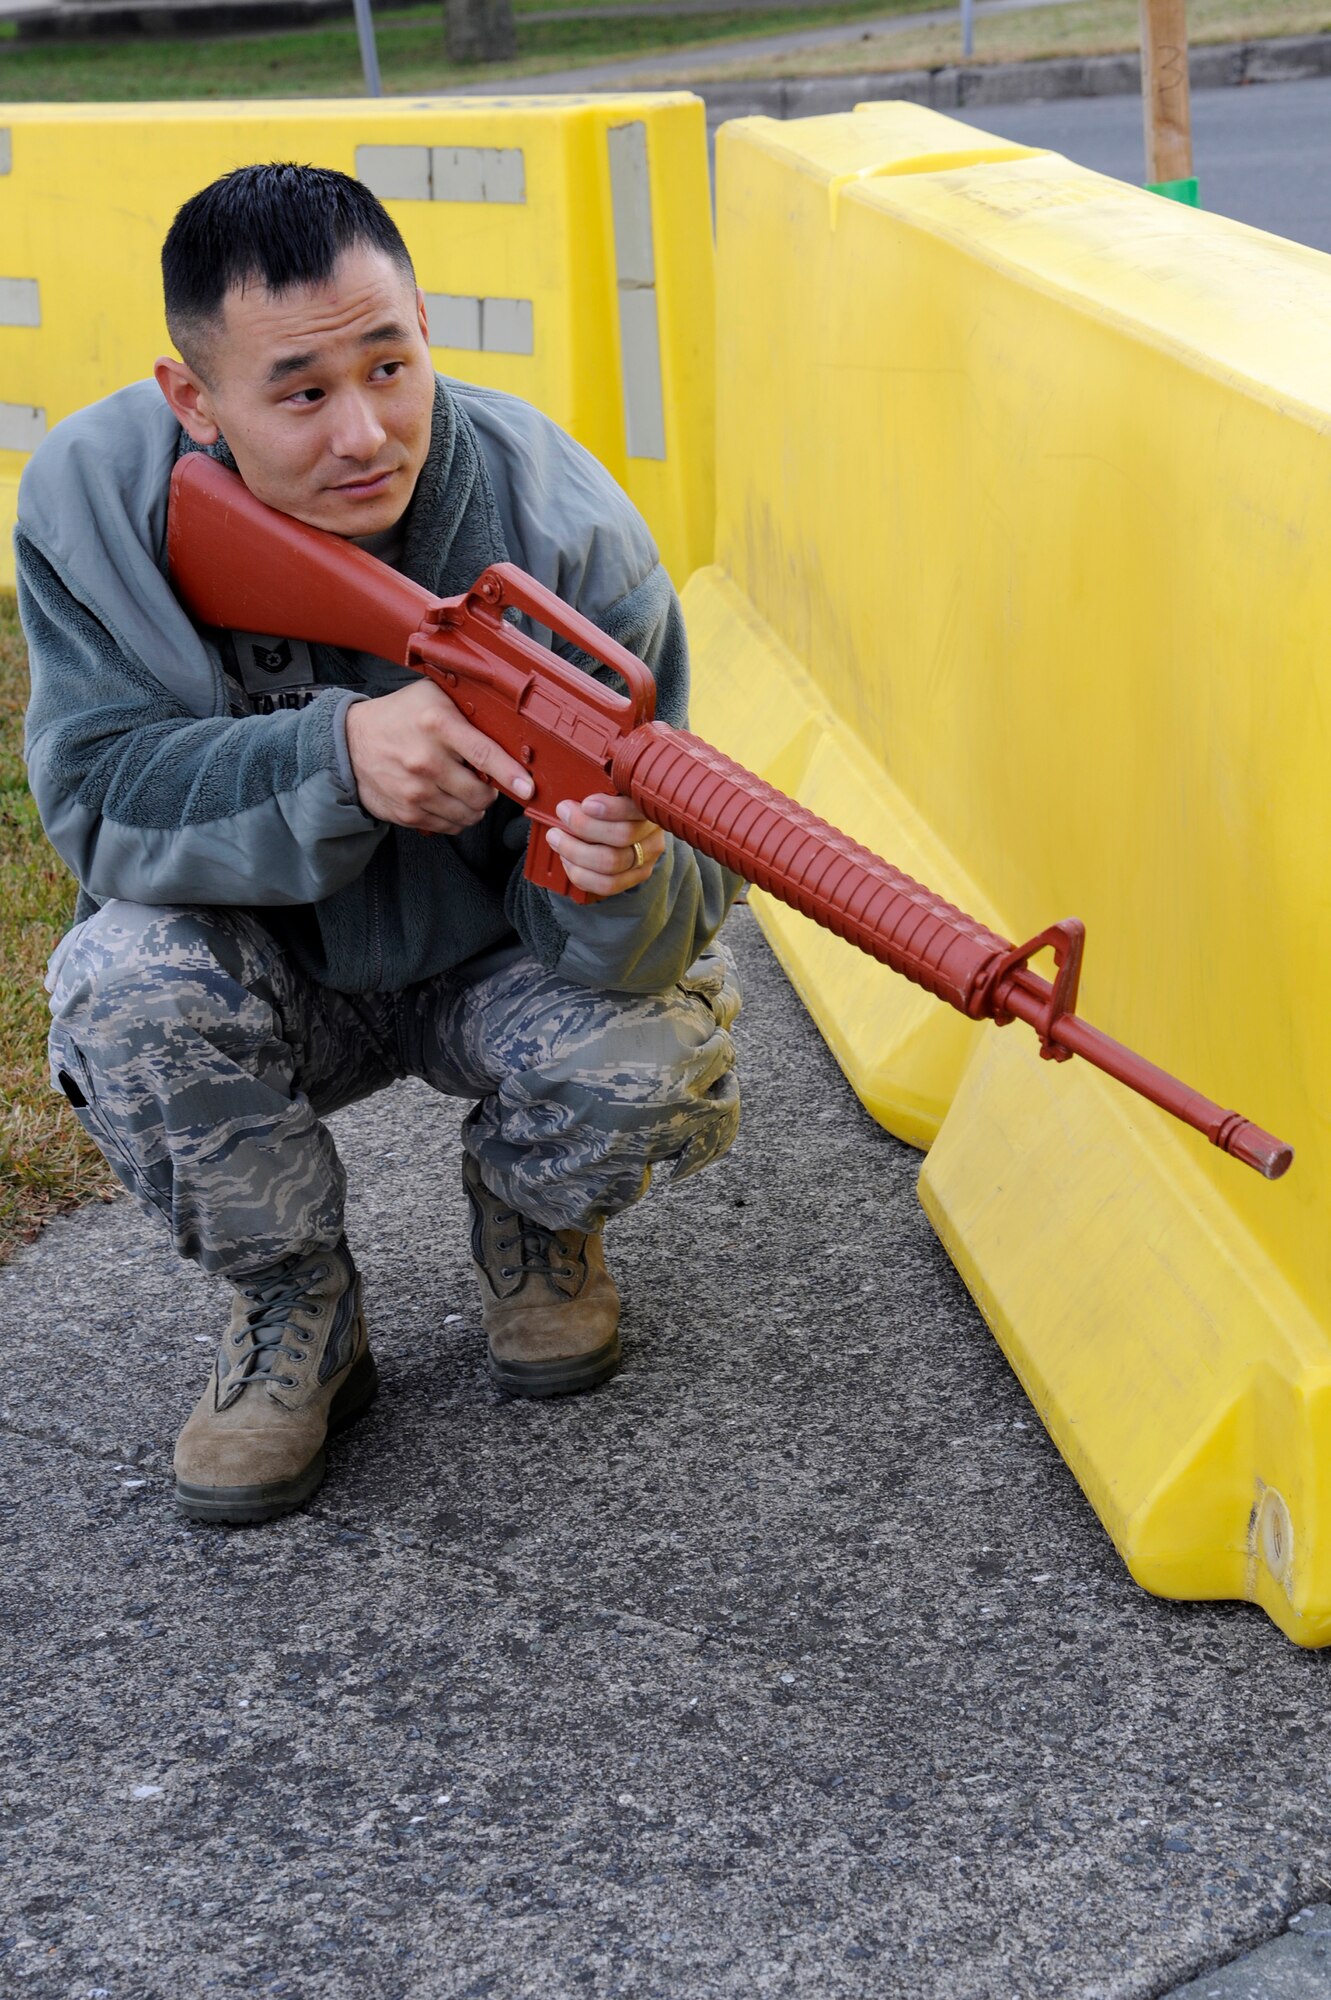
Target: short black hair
(280, 225)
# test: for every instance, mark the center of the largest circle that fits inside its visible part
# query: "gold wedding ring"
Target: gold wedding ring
(639, 858)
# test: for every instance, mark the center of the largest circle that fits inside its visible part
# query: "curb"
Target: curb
(1288, 59)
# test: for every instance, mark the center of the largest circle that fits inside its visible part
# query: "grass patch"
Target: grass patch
(46, 1163)
(1082, 28)
(323, 61)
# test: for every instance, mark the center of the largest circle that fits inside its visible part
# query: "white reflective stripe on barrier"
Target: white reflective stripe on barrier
(481, 326)
(20, 302)
(635, 275)
(22, 427)
(444, 173)
(395, 173)
(477, 173)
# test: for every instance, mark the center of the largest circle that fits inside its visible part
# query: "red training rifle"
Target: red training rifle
(240, 565)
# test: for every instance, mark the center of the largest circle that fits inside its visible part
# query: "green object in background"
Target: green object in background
(1184, 191)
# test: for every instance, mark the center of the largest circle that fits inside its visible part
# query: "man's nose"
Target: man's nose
(357, 432)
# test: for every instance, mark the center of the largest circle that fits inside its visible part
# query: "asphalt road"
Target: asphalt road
(1263, 154)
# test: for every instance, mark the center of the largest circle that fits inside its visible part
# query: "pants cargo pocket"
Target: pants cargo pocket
(71, 1075)
(713, 977)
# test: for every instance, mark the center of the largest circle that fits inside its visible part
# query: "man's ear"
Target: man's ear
(422, 316)
(188, 396)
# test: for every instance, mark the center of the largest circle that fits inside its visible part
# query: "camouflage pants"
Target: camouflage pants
(202, 1061)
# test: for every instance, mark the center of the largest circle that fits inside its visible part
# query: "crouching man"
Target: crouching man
(298, 881)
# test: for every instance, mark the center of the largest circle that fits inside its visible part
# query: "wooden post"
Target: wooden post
(1165, 103)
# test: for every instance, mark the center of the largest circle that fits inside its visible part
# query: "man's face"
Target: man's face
(324, 394)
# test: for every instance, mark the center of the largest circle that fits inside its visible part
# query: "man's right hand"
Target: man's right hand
(418, 762)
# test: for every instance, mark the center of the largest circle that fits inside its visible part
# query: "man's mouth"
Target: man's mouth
(368, 485)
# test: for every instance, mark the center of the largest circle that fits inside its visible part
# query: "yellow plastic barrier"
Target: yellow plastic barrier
(564, 245)
(1022, 575)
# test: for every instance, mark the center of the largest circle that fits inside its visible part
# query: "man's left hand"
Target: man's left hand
(604, 846)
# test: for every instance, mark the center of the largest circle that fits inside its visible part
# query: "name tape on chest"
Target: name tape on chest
(274, 672)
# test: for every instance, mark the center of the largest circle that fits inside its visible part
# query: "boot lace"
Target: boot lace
(537, 1248)
(269, 1323)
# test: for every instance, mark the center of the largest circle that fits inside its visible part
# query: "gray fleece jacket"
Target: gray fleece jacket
(176, 766)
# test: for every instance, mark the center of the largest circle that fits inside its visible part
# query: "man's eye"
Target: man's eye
(306, 396)
(388, 368)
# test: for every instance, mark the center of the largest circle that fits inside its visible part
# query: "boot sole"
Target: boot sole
(242, 1505)
(539, 1379)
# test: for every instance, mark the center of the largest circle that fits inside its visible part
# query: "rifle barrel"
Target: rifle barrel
(735, 817)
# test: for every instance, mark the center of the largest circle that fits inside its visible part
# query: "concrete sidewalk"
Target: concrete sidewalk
(792, 1663)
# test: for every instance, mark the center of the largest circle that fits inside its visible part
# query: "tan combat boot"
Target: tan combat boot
(548, 1304)
(293, 1367)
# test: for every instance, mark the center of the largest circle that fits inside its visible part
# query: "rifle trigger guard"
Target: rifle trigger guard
(1067, 941)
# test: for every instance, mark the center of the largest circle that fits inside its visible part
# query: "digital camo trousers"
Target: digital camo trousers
(202, 1061)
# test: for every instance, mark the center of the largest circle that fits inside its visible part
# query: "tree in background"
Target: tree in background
(479, 31)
